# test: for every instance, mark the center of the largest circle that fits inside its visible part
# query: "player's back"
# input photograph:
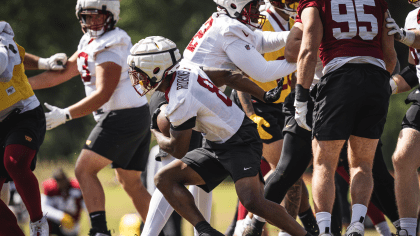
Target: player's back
(352, 28)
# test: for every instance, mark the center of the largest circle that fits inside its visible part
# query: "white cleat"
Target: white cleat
(355, 229)
(40, 227)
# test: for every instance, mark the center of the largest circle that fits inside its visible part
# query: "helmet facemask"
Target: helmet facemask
(287, 6)
(416, 3)
(250, 15)
(106, 22)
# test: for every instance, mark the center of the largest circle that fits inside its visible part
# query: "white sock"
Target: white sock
(260, 219)
(203, 202)
(409, 224)
(383, 229)
(357, 212)
(281, 233)
(323, 219)
(159, 212)
(247, 219)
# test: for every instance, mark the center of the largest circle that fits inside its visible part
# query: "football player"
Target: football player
(232, 144)
(23, 128)
(62, 199)
(405, 158)
(351, 99)
(122, 135)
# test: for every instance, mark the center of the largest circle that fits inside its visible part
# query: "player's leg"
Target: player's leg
(131, 183)
(306, 215)
(88, 165)
(8, 221)
(406, 161)
(361, 152)
(203, 201)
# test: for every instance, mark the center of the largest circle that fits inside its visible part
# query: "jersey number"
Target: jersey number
(82, 59)
(354, 14)
(212, 88)
(194, 41)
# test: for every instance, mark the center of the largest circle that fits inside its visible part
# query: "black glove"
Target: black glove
(274, 94)
(153, 124)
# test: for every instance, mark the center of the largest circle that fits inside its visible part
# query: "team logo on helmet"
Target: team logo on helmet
(151, 60)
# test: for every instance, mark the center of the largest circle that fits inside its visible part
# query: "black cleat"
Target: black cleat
(96, 232)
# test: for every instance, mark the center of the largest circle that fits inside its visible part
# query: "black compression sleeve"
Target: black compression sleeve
(410, 76)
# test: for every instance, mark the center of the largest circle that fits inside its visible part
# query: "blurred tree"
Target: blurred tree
(45, 27)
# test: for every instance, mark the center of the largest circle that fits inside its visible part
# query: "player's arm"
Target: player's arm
(390, 56)
(250, 61)
(52, 78)
(291, 51)
(55, 62)
(177, 144)
(107, 78)
(409, 37)
(268, 41)
(406, 79)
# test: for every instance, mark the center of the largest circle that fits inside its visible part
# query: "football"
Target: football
(162, 122)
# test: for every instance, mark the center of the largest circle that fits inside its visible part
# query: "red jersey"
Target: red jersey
(351, 27)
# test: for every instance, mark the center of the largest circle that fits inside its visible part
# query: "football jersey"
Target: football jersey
(113, 46)
(193, 94)
(352, 28)
(413, 22)
(54, 204)
(276, 23)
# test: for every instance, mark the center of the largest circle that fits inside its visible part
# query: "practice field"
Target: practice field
(118, 203)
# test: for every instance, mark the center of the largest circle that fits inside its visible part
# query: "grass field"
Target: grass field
(119, 204)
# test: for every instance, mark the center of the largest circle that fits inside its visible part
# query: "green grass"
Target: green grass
(118, 203)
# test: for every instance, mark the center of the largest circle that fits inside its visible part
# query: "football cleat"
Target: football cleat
(40, 227)
(251, 230)
(96, 232)
(355, 229)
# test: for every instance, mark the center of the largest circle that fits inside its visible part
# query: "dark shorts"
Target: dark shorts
(412, 116)
(352, 100)
(27, 129)
(123, 136)
(291, 125)
(238, 157)
(271, 112)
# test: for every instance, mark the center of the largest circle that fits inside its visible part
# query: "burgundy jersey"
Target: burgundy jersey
(351, 27)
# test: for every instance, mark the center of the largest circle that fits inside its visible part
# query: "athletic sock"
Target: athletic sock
(282, 233)
(204, 229)
(323, 220)
(17, 160)
(358, 213)
(383, 229)
(258, 218)
(309, 221)
(409, 224)
(98, 220)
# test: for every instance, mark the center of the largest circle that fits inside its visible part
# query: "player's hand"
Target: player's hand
(153, 124)
(394, 29)
(274, 94)
(260, 122)
(56, 116)
(56, 62)
(67, 221)
(301, 109)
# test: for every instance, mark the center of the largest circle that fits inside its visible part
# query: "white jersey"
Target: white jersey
(410, 24)
(226, 43)
(113, 46)
(193, 95)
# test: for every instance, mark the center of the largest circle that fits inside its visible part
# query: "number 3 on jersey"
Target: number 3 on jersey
(82, 63)
(204, 28)
(353, 12)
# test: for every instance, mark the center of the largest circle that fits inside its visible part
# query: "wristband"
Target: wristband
(409, 37)
(302, 94)
(43, 64)
(410, 76)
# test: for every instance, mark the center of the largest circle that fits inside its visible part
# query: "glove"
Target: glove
(274, 94)
(301, 109)
(404, 36)
(67, 221)
(55, 62)
(153, 124)
(260, 122)
(56, 116)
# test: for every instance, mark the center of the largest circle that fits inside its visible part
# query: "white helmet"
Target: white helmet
(416, 3)
(150, 61)
(237, 9)
(110, 9)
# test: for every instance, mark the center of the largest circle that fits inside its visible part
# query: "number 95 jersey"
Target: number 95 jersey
(195, 102)
(113, 46)
(352, 28)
